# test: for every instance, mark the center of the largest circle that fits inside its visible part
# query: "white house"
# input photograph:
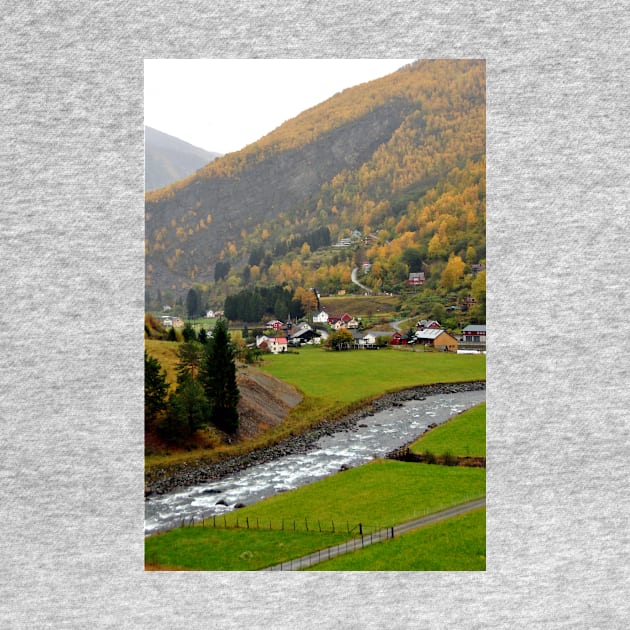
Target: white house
(277, 345)
(369, 339)
(320, 318)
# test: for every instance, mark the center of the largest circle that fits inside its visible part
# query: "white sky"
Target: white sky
(222, 105)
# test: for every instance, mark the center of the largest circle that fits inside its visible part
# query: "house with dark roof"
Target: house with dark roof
(428, 323)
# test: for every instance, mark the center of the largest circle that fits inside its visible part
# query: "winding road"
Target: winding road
(353, 277)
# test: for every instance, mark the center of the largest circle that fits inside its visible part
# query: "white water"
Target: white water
(385, 431)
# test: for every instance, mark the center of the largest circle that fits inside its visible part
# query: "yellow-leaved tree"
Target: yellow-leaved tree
(453, 272)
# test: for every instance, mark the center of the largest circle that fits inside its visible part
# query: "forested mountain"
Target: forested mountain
(395, 167)
(168, 159)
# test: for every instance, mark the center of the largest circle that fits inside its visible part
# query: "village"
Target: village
(428, 335)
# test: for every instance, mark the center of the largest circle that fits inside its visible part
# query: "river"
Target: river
(372, 438)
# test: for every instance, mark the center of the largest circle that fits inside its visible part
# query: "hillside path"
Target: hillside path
(353, 277)
(357, 543)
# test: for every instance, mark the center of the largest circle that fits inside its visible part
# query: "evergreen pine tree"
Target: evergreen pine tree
(187, 411)
(189, 333)
(218, 377)
(192, 303)
(155, 389)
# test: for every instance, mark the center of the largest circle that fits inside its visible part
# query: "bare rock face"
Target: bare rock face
(265, 402)
(279, 183)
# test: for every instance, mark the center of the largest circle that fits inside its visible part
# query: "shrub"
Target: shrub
(449, 459)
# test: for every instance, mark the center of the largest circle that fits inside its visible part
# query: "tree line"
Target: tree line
(251, 305)
(206, 391)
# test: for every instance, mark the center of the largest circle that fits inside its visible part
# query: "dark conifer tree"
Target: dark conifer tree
(193, 303)
(218, 377)
(155, 389)
(189, 333)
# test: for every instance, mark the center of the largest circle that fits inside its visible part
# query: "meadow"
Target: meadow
(456, 544)
(356, 375)
(464, 435)
(377, 495)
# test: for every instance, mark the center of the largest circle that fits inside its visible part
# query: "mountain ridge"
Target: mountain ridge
(390, 158)
(169, 159)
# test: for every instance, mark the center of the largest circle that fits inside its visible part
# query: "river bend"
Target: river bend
(373, 437)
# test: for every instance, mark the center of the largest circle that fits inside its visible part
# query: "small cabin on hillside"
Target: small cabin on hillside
(416, 279)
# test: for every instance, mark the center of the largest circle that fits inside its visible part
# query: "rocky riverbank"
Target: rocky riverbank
(196, 473)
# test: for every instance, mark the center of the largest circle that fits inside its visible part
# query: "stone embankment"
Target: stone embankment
(197, 472)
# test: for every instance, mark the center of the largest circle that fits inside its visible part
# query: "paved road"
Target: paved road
(384, 534)
(353, 277)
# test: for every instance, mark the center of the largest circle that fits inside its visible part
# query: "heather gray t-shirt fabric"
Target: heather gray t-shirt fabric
(71, 535)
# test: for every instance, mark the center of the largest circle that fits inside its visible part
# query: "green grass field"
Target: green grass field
(359, 374)
(378, 495)
(456, 544)
(463, 435)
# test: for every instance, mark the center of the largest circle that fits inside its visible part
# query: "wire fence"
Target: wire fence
(311, 525)
(328, 553)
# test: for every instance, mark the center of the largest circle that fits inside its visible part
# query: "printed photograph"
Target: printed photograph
(315, 315)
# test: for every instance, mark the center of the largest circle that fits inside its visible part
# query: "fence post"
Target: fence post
(247, 521)
(306, 521)
(333, 525)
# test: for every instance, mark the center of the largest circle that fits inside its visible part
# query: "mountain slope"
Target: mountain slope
(168, 159)
(402, 157)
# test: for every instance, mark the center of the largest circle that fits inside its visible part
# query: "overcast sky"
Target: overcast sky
(222, 105)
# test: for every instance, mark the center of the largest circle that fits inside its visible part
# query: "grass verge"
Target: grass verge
(456, 544)
(464, 435)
